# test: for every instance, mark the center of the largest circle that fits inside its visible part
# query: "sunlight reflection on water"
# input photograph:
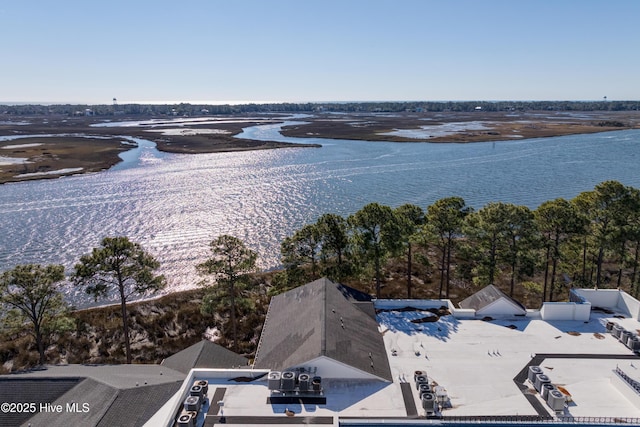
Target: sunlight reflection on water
(175, 204)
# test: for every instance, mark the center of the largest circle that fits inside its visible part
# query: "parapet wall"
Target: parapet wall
(565, 311)
(579, 308)
(630, 304)
(614, 299)
(599, 297)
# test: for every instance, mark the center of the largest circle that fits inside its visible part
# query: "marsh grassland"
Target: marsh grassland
(52, 146)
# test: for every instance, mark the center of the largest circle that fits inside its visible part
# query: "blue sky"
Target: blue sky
(307, 50)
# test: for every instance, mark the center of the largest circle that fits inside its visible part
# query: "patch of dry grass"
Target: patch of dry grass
(497, 126)
(49, 154)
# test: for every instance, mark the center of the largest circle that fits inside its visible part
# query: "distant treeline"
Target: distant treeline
(309, 107)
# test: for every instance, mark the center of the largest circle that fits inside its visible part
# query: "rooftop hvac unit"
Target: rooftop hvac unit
(288, 381)
(556, 400)
(624, 336)
(316, 384)
(303, 382)
(540, 379)
(609, 326)
(533, 371)
(204, 384)
(421, 379)
(185, 419)
(428, 402)
(424, 388)
(546, 388)
(274, 380)
(634, 343)
(617, 330)
(192, 403)
(417, 374)
(196, 390)
(629, 341)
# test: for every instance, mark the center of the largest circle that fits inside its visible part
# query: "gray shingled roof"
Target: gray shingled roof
(97, 395)
(204, 354)
(486, 296)
(20, 390)
(108, 406)
(322, 318)
(133, 407)
(116, 395)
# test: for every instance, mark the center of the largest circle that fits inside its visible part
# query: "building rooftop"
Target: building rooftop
(103, 395)
(479, 366)
(322, 319)
(204, 354)
(476, 364)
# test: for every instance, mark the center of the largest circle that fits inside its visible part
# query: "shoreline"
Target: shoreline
(465, 127)
(61, 147)
(35, 158)
(78, 145)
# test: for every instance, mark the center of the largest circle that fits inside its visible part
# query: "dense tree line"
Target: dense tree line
(188, 109)
(591, 240)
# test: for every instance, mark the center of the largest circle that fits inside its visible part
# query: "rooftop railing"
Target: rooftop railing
(535, 420)
(498, 420)
(626, 378)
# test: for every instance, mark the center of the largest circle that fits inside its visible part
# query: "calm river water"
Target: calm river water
(175, 204)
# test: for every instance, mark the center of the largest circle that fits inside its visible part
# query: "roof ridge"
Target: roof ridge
(108, 407)
(323, 323)
(264, 326)
(200, 354)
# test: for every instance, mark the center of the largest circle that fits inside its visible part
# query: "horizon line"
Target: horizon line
(263, 102)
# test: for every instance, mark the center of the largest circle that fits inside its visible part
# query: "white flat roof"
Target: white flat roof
(475, 361)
